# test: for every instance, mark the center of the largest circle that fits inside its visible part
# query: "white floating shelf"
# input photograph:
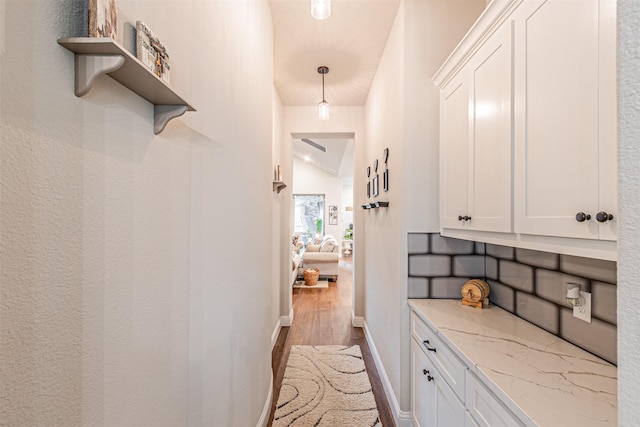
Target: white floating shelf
(96, 56)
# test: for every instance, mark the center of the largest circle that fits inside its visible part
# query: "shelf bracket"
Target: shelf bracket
(162, 114)
(89, 67)
(279, 186)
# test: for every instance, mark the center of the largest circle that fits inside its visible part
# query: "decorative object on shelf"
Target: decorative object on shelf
(385, 155)
(152, 53)
(97, 56)
(333, 215)
(375, 186)
(368, 189)
(311, 276)
(323, 106)
(475, 293)
(375, 165)
(321, 9)
(103, 18)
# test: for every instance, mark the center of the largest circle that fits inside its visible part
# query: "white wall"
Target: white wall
(402, 113)
(629, 206)
(309, 179)
(280, 247)
(123, 298)
(346, 217)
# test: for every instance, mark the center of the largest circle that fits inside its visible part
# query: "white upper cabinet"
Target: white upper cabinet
(565, 141)
(528, 128)
(491, 149)
(454, 169)
(476, 146)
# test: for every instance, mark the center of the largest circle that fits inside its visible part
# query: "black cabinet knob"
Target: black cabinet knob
(425, 372)
(460, 218)
(603, 216)
(466, 218)
(429, 378)
(582, 217)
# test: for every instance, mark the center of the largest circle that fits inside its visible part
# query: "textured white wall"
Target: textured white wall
(403, 114)
(383, 241)
(629, 206)
(123, 298)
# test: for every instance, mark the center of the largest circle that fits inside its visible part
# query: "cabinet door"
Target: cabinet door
(454, 136)
(490, 85)
(556, 120)
(607, 199)
(422, 392)
(433, 403)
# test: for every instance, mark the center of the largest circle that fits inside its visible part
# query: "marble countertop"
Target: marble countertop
(542, 379)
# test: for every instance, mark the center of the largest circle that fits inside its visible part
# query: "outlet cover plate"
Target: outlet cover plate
(583, 312)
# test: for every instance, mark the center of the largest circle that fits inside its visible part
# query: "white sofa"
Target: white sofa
(296, 261)
(324, 256)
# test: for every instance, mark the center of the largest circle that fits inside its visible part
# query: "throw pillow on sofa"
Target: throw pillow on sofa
(329, 245)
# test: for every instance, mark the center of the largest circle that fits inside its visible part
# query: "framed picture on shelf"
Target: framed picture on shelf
(103, 18)
(333, 215)
(375, 186)
(152, 53)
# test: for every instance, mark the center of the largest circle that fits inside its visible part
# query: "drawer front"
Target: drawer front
(485, 408)
(451, 368)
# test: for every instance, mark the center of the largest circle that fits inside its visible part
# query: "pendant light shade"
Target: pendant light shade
(321, 9)
(323, 110)
(323, 106)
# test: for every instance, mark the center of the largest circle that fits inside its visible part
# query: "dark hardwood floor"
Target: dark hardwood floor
(323, 317)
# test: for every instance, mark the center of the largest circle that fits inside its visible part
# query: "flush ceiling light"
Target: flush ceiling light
(323, 106)
(320, 9)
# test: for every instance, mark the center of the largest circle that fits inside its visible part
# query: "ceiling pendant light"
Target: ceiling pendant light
(320, 9)
(323, 106)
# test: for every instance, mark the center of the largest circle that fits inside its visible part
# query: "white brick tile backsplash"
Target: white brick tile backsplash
(531, 284)
(538, 311)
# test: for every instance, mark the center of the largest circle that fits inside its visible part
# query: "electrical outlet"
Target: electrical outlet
(583, 312)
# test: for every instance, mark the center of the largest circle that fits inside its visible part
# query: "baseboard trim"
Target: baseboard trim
(357, 321)
(266, 411)
(276, 332)
(402, 418)
(287, 320)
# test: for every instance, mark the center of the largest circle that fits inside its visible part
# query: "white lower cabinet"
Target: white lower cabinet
(485, 408)
(433, 400)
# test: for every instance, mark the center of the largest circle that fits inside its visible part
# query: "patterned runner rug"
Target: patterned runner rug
(326, 386)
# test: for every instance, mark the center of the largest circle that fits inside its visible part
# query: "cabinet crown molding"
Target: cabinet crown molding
(495, 13)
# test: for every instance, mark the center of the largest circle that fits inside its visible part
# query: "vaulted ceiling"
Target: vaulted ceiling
(350, 42)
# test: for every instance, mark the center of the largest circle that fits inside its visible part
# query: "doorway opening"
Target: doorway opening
(322, 212)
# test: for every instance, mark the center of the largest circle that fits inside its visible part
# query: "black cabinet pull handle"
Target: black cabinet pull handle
(603, 216)
(425, 372)
(582, 217)
(429, 378)
(427, 345)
